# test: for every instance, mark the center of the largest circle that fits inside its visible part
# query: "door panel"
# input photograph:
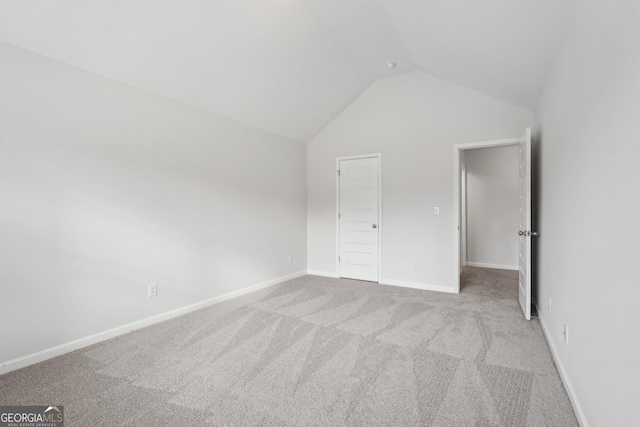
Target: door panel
(359, 228)
(524, 285)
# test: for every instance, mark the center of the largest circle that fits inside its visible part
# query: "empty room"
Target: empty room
(319, 213)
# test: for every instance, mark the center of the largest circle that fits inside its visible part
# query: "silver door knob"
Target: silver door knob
(521, 233)
(374, 226)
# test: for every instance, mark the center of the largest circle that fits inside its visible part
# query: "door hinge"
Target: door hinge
(338, 173)
(338, 215)
(338, 259)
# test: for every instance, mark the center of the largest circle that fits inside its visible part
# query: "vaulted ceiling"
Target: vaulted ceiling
(290, 66)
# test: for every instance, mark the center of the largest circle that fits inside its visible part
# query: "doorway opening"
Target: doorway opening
(490, 207)
(492, 212)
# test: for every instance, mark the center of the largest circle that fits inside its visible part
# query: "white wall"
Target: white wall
(106, 189)
(413, 119)
(588, 149)
(492, 176)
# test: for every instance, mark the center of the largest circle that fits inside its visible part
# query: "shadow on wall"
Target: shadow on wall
(536, 188)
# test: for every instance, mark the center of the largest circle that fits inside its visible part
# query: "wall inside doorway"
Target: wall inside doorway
(492, 201)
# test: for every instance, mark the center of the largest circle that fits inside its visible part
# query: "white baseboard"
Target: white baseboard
(40, 356)
(582, 420)
(392, 282)
(323, 273)
(498, 266)
(414, 285)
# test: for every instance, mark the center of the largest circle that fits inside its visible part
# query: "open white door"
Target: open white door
(524, 287)
(358, 218)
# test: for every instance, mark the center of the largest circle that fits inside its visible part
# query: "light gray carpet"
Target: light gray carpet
(318, 351)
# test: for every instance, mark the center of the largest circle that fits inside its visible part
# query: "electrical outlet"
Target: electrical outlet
(436, 211)
(414, 264)
(549, 305)
(566, 334)
(290, 258)
(153, 290)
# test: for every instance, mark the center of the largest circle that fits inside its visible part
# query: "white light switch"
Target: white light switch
(436, 211)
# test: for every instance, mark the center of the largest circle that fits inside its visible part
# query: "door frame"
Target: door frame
(457, 191)
(356, 157)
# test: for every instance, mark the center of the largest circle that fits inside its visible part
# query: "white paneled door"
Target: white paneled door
(358, 220)
(524, 288)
